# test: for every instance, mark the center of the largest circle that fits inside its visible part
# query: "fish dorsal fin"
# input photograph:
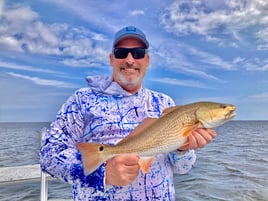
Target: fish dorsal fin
(144, 124)
(145, 163)
(168, 110)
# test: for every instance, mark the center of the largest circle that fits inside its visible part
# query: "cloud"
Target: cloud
(219, 99)
(263, 35)
(14, 66)
(207, 58)
(137, 12)
(22, 31)
(43, 82)
(260, 97)
(186, 59)
(177, 82)
(217, 19)
(1, 7)
(252, 64)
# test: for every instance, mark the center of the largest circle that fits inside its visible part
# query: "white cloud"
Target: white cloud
(219, 99)
(1, 7)
(137, 12)
(263, 38)
(260, 97)
(217, 19)
(210, 59)
(44, 82)
(22, 31)
(10, 65)
(183, 58)
(20, 15)
(177, 82)
(252, 64)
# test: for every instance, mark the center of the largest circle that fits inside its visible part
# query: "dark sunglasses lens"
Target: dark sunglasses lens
(120, 53)
(137, 53)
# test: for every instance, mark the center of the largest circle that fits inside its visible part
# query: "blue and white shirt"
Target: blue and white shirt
(105, 113)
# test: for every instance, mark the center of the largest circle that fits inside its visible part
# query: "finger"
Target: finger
(133, 172)
(200, 140)
(127, 159)
(212, 133)
(207, 134)
(192, 142)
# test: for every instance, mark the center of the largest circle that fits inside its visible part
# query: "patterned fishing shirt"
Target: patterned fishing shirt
(105, 113)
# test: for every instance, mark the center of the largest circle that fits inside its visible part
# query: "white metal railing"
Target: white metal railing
(44, 182)
(19, 174)
(27, 173)
(44, 187)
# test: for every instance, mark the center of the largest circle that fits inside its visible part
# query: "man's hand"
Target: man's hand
(199, 138)
(121, 170)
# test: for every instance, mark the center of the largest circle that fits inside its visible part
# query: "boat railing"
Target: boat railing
(27, 173)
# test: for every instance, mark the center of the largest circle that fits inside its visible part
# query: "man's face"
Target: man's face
(129, 72)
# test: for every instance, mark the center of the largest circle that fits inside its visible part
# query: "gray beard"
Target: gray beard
(128, 84)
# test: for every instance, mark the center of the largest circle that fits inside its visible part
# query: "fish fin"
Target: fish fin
(144, 124)
(189, 130)
(145, 163)
(185, 143)
(92, 156)
(168, 110)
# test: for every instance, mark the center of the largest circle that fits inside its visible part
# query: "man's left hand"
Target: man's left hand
(199, 139)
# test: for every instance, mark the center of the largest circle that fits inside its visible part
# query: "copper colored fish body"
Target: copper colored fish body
(159, 135)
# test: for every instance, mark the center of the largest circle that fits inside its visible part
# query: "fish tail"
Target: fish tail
(93, 155)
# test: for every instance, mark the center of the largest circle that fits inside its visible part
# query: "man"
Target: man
(106, 112)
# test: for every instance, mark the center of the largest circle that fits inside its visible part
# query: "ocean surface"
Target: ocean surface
(234, 167)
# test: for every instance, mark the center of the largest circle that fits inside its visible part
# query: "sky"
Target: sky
(200, 50)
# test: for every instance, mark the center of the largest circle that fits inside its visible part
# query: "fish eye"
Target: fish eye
(224, 106)
(101, 148)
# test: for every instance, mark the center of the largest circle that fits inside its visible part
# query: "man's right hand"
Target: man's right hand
(122, 170)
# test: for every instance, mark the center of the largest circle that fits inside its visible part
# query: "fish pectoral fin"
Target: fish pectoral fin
(188, 130)
(145, 163)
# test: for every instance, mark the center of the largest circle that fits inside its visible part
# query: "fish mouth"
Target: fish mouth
(230, 114)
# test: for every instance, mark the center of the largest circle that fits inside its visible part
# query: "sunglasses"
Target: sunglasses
(137, 53)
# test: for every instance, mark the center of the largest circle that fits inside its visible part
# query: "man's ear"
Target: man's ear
(147, 60)
(111, 57)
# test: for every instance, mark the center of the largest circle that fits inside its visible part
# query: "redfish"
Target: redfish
(159, 135)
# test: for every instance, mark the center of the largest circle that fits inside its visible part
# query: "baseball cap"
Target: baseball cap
(130, 31)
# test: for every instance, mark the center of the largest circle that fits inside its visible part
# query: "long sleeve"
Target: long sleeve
(58, 154)
(182, 162)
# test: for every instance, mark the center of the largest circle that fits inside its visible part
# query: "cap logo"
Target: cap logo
(131, 29)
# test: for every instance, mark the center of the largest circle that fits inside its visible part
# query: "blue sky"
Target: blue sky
(210, 50)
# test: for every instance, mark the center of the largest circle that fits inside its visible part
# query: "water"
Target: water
(234, 167)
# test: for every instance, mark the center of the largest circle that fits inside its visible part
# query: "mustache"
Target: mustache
(129, 66)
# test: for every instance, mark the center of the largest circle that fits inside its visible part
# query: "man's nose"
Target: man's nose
(129, 59)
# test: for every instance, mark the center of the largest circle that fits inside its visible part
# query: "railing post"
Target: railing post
(44, 181)
(44, 187)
